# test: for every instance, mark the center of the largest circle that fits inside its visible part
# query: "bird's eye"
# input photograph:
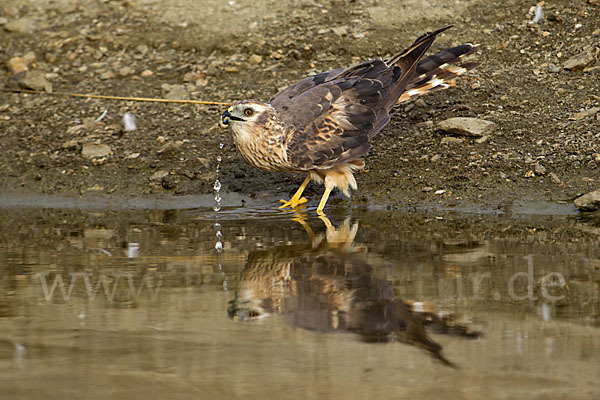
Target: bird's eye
(248, 112)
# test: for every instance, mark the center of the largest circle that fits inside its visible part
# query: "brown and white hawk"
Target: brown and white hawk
(322, 124)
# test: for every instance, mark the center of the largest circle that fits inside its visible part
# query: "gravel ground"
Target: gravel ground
(546, 105)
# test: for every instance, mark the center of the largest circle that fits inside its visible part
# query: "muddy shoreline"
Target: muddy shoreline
(544, 150)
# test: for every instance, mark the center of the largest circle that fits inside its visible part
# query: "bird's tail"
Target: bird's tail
(438, 72)
(405, 63)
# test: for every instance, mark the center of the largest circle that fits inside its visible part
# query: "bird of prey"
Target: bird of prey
(321, 125)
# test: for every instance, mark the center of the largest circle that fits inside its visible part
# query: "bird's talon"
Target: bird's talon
(292, 203)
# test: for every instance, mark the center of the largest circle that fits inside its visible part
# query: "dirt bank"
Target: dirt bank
(546, 146)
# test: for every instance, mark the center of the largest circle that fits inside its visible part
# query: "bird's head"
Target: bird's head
(255, 127)
(246, 113)
(245, 310)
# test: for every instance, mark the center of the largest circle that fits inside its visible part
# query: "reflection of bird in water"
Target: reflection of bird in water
(327, 287)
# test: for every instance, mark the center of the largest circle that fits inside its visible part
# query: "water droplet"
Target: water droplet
(217, 185)
(219, 246)
(217, 188)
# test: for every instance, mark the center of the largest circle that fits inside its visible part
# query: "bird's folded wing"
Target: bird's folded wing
(331, 124)
(284, 98)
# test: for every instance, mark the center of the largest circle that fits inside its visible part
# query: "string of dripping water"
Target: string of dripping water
(219, 249)
(217, 207)
(217, 185)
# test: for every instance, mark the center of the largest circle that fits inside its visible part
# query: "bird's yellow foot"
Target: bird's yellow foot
(293, 202)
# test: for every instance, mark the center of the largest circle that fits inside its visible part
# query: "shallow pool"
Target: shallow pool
(256, 304)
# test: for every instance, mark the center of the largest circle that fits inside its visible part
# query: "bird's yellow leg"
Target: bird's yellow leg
(326, 221)
(309, 231)
(323, 201)
(296, 200)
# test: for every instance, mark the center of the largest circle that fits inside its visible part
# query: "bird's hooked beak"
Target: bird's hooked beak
(228, 117)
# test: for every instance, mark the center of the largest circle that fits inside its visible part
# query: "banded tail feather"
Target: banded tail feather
(437, 72)
(406, 63)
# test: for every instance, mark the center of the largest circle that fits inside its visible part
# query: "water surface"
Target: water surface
(379, 304)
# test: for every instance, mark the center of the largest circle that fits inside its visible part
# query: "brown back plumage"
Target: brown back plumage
(331, 116)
